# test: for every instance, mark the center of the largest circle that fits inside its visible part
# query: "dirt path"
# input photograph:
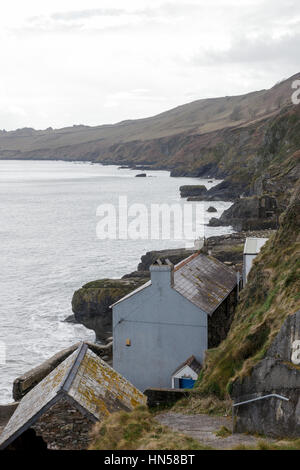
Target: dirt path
(203, 428)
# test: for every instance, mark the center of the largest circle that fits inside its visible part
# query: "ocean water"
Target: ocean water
(49, 248)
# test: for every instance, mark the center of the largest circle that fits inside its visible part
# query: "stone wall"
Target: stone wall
(220, 321)
(63, 427)
(278, 373)
(164, 396)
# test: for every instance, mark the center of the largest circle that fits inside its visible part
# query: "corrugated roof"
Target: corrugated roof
(90, 383)
(192, 363)
(204, 280)
(254, 245)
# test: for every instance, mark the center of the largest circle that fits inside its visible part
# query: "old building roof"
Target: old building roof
(192, 363)
(204, 280)
(201, 279)
(87, 382)
(254, 245)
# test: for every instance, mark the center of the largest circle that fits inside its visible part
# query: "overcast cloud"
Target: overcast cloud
(94, 62)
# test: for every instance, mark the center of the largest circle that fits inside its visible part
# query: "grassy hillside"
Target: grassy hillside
(271, 294)
(199, 117)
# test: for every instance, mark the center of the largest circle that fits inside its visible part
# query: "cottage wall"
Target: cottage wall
(163, 330)
(63, 427)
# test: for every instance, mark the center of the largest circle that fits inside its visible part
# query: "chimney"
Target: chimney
(162, 273)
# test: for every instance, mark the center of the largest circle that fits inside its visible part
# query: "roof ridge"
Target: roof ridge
(186, 260)
(71, 373)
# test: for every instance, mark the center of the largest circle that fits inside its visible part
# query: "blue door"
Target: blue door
(186, 383)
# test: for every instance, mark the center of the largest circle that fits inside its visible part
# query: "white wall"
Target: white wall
(247, 265)
(164, 329)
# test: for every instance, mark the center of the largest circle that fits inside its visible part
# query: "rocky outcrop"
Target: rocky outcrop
(227, 190)
(192, 190)
(91, 303)
(250, 213)
(174, 255)
(278, 373)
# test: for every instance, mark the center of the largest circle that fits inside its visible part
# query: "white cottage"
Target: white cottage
(179, 313)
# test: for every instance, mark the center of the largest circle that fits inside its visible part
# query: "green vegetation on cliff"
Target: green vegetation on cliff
(271, 294)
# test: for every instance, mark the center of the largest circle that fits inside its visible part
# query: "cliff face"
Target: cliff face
(270, 296)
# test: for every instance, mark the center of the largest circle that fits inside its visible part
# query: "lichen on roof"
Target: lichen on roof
(90, 383)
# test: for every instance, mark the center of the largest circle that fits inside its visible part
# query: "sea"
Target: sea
(50, 246)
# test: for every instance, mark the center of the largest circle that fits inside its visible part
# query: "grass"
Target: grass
(195, 403)
(139, 430)
(223, 432)
(266, 445)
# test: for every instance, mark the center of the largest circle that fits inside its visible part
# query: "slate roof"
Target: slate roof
(254, 245)
(204, 281)
(88, 382)
(192, 363)
(201, 279)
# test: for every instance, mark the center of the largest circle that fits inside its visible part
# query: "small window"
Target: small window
(128, 342)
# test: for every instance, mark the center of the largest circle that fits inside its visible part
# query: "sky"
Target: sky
(103, 61)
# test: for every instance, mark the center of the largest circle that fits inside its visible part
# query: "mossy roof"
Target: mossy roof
(87, 382)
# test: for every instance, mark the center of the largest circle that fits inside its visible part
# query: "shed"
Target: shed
(63, 407)
(251, 249)
(186, 374)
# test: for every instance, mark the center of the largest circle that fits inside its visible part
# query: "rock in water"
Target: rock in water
(211, 209)
(192, 190)
(141, 175)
